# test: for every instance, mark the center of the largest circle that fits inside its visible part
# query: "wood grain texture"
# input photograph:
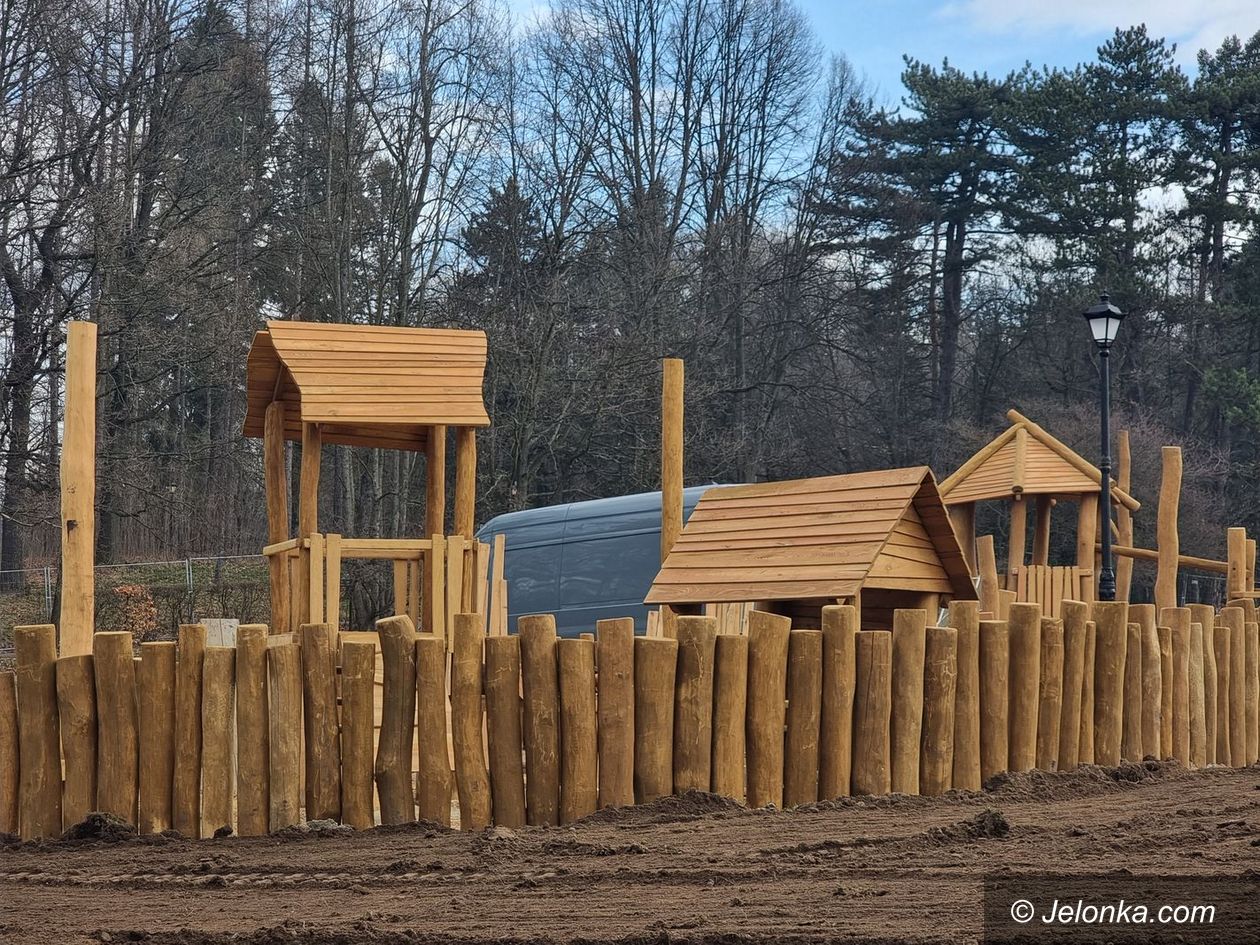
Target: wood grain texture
(76, 707)
(78, 492)
(614, 643)
(39, 732)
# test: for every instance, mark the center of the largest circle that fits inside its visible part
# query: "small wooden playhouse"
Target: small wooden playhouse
(374, 386)
(878, 540)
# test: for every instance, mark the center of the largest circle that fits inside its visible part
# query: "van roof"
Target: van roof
(592, 508)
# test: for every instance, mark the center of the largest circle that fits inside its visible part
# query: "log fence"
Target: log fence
(539, 730)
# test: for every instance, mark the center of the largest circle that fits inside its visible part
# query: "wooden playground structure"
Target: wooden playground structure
(816, 639)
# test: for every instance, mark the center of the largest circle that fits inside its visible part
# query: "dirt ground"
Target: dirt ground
(695, 869)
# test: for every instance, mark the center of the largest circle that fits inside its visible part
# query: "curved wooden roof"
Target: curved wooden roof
(824, 537)
(366, 385)
(1026, 460)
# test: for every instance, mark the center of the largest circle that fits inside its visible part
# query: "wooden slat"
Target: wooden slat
(332, 569)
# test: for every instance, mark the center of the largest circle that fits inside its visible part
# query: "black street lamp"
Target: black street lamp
(1104, 323)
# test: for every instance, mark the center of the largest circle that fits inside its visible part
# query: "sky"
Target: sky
(997, 36)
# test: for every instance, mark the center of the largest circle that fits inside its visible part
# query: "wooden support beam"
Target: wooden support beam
(671, 454)
(1124, 517)
(465, 481)
(1086, 529)
(435, 482)
(276, 480)
(1168, 542)
(1236, 557)
(1041, 535)
(963, 518)
(1017, 536)
(1184, 561)
(78, 491)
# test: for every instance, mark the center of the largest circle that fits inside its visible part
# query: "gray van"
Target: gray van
(584, 561)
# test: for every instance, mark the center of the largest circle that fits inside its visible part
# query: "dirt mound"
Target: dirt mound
(103, 827)
(1085, 781)
(675, 808)
(987, 824)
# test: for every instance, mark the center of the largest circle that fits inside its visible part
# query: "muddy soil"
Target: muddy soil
(693, 869)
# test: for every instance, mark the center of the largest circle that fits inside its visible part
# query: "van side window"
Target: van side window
(534, 571)
(616, 570)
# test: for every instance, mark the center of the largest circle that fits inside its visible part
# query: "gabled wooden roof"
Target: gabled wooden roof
(367, 385)
(808, 538)
(1025, 460)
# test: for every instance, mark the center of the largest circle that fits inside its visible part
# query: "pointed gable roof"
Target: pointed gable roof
(825, 537)
(1025, 460)
(367, 385)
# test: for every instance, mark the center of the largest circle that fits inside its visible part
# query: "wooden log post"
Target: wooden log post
(804, 714)
(253, 787)
(1075, 616)
(579, 750)
(78, 491)
(909, 639)
(1205, 616)
(839, 659)
(1151, 685)
(693, 703)
(1222, 639)
(1124, 517)
(1041, 530)
(155, 695)
(319, 714)
(964, 616)
(1236, 563)
(541, 726)
(1025, 681)
(1017, 535)
(1198, 720)
(465, 481)
(1166, 686)
(1168, 542)
(503, 729)
(9, 762)
(962, 518)
(1234, 618)
(1177, 619)
(872, 712)
(1050, 695)
(76, 709)
(39, 732)
(1252, 707)
(472, 779)
(186, 783)
(730, 713)
(1131, 724)
(284, 735)
(614, 644)
(986, 561)
(358, 680)
(1111, 620)
(118, 746)
(1085, 747)
(392, 769)
(655, 663)
(276, 481)
(940, 681)
(433, 778)
(218, 775)
(766, 714)
(995, 663)
(1086, 529)
(671, 453)
(308, 518)
(435, 485)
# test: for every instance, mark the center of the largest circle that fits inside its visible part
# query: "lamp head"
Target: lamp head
(1104, 321)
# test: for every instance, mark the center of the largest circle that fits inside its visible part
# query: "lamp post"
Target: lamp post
(1104, 323)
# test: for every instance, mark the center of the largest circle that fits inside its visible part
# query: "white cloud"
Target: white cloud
(1191, 25)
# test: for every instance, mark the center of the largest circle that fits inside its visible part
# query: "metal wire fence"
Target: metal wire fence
(150, 599)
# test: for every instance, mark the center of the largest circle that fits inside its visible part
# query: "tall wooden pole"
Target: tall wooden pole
(465, 481)
(1124, 518)
(276, 481)
(1017, 536)
(671, 454)
(1086, 529)
(1041, 532)
(308, 516)
(435, 482)
(78, 491)
(1168, 542)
